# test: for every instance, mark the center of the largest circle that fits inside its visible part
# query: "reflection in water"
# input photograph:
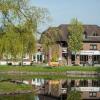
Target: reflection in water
(18, 97)
(59, 89)
(36, 97)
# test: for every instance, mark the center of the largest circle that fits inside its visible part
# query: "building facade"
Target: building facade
(90, 52)
(28, 59)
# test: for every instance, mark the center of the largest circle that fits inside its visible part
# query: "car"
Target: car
(3, 62)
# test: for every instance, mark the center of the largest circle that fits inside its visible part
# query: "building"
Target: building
(89, 54)
(36, 82)
(37, 57)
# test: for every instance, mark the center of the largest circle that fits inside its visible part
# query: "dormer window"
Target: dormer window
(95, 34)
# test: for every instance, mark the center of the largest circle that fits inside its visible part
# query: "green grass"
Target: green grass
(48, 69)
(51, 77)
(39, 68)
(6, 87)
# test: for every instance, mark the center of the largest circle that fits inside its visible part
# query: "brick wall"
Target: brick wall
(86, 46)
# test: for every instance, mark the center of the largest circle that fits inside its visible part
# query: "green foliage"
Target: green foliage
(48, 39)
(55, 53)
(19, 22)
(41, 68)
(76, 35)
(18, 97)
(12, 87)
(74, 95)
(8, 87)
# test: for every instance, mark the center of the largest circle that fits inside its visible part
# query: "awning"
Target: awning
(89, 52)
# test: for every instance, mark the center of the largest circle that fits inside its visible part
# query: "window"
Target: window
(93, 46)
(83, 83)
(85, 35)
(95, 34)
(34, 57)
(72, 83)
(83, 59)
(96, 58)
(92, 94)
(95, 83)
(63, 44)
(38, 57)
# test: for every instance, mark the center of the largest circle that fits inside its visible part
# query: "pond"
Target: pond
(18, 97)
(54, 89)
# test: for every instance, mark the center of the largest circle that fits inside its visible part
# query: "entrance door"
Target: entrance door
(39, 58)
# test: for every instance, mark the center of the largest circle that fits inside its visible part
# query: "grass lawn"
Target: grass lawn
(46, 77)
(39, 68)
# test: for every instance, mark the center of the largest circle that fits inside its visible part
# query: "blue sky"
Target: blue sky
(62, 11)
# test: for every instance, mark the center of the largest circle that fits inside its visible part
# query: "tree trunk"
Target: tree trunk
(49, 60)
(7, 59)
(75, 58)
(22, 59)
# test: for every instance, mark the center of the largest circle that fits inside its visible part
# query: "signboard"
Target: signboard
(89, 52)
(90, 89)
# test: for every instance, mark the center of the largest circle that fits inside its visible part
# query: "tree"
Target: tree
(55, 53)
(19, 22)
(10, 44)
(49, 39)
(74, 95)
(75, 39)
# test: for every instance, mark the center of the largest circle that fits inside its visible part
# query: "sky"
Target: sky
(62, 11)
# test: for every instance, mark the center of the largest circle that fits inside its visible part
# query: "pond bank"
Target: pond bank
(39, 71)
(67, 73)
(15, 93)
(10, 88)
(48, 69)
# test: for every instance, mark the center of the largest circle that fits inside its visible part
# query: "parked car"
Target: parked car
(26, 62)
(3, 62)
(15, 63)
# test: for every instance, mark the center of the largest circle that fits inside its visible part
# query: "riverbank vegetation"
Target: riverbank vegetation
(19, 22)
(40, 71)
(18, 97)
(8, 87)
(51, 77)
(40, 68)
(74, 95)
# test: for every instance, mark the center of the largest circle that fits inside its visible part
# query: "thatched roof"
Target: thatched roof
(63, 33)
